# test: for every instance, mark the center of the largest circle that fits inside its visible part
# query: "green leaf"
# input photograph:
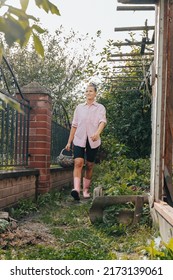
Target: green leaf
(169, 245)
(21, 14)
(38, 28)
(1, 108)
(13, 30)
(47, 6)
(24, 4)
(53, 9)
(42, 4)
(1, 52)
(2, 24)
(17, 12)
(24, 41)
(2, 3)
(38, 45)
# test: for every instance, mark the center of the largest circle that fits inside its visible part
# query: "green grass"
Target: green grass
(75, 237)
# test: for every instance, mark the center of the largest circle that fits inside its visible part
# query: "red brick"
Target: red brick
(43, 118)
(41, 131)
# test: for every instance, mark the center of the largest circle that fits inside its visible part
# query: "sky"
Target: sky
(89, 16)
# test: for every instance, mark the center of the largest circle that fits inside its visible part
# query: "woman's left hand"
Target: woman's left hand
(95, 137)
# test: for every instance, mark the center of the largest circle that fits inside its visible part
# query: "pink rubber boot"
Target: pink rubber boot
(75, 193)
(86, 185)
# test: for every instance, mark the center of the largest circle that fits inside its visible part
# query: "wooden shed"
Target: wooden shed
(161, 188)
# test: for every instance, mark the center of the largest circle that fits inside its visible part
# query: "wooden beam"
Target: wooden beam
(131, 54)
(128, 59)
(125, 90)
(136, 78)
(4, 215)
(130, 77)
(132, 44)
(170, 117)
(134, 28)
(135, 8)
(131, 66)
(138, 2)
(169, 94)
(165, 211)
(168, 181)
(126, 81)
(128, 72)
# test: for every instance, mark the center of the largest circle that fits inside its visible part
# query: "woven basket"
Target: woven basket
(65, 160)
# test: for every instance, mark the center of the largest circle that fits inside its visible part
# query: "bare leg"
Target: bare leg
(78, 166)
(89, 170)
(77, 172)
(87, 179)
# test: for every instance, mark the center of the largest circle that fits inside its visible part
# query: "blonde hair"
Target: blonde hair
(91, 84)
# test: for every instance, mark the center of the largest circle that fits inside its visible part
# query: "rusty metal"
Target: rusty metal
(101, 202)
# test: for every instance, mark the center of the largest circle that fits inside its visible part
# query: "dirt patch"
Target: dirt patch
(27, 232)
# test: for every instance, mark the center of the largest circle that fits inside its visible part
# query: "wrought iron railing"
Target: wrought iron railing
(60, 130)
(14, 124)
(59, 139)
(14, 119)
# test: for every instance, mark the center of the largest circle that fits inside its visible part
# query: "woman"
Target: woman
(88, 122)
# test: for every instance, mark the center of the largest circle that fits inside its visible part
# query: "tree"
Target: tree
(63, 68)
(128, 107)
(129, 115)
(18, 26)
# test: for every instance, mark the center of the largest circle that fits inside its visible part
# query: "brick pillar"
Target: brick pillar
(39, 132)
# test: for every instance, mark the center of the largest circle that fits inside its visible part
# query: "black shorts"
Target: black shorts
(86, 153)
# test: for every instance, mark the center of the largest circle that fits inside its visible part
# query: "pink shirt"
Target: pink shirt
(87, 119)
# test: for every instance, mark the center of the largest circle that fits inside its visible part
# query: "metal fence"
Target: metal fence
(59, 139)
(60, 130)
(14, 120)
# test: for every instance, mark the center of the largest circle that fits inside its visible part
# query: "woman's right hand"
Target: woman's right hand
(67, 147)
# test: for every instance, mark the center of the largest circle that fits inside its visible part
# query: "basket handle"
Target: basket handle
(61, 153)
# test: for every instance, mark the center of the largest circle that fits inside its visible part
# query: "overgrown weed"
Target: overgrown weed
(68, 222)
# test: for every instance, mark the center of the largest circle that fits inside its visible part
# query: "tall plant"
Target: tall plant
(128, 107)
